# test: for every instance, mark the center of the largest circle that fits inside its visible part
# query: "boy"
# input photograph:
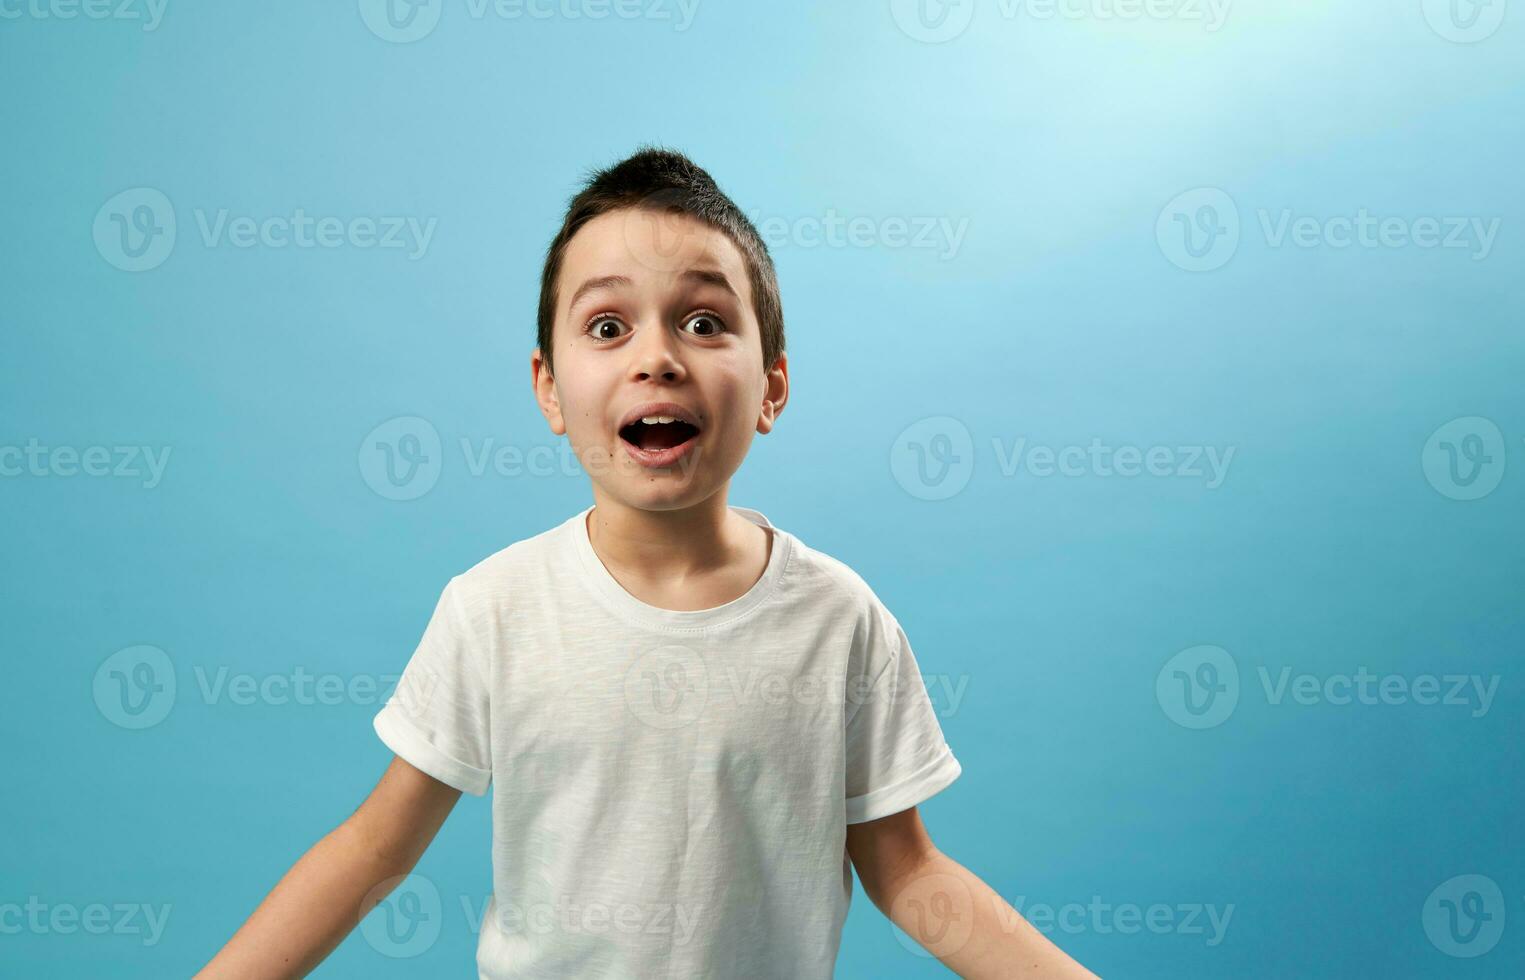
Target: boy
(697, 724)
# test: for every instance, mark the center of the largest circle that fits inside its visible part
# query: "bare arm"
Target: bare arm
(331, 888)
(947, 909)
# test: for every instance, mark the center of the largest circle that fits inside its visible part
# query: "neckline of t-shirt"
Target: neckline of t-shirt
(622, 603)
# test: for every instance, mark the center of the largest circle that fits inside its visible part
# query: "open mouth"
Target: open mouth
(658, 432)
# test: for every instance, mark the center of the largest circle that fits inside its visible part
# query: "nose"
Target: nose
(654, 356)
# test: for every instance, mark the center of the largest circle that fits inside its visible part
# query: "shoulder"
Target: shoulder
(488, 591)
(822, 579)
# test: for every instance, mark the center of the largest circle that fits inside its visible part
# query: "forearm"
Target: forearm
(968, 926)
(310, 910)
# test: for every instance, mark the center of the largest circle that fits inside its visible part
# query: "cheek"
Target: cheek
(738, 381)
(580, 410)
(743, 405)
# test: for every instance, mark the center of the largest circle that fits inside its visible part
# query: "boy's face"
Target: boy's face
(657, 308)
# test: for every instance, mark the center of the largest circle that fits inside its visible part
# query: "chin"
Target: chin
(656, 491)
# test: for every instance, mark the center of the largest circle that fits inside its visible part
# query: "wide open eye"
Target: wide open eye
(599, 328)
(710, 324)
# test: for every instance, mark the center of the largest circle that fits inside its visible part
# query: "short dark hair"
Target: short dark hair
(665, 180)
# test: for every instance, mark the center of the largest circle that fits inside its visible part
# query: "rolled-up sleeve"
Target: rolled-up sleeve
(897, 756)
(437, 718)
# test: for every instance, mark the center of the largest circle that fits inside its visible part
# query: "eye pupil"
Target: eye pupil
(607, 328)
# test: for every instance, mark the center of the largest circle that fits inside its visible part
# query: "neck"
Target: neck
(666, 545)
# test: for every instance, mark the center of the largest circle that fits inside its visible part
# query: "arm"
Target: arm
(946, 908)
(331, 888)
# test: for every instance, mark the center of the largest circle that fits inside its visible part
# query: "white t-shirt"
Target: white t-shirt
(673, 787)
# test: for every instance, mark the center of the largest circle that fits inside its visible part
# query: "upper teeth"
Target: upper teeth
(658, 419)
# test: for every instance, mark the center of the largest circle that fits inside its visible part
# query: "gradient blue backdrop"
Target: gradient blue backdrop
(1071, 310)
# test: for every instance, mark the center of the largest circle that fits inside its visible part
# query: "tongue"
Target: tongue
(663, 436)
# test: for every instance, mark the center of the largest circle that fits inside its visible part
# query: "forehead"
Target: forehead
(653, 249)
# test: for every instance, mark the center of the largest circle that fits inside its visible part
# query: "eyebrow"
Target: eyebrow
(712, 277)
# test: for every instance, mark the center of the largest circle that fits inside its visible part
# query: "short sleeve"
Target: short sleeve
(896, 754)
(437, 717)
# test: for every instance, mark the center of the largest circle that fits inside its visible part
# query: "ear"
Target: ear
(775, 394)
(545, 393)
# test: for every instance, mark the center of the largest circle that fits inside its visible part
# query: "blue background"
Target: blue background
(1334, 542)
